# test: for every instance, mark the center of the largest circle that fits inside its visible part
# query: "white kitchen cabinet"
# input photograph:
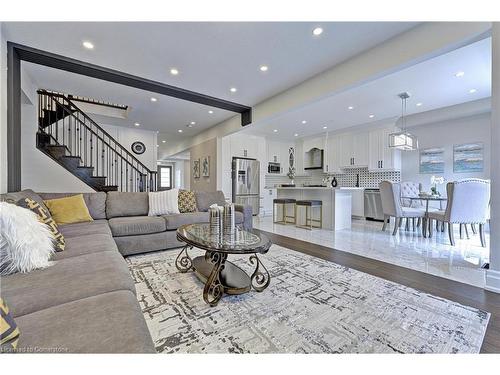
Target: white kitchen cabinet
(243, 146)
(381, 156)
(332, 155)
(354, 150)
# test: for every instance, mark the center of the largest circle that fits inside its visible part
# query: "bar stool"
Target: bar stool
(284, 216)
(309, 205)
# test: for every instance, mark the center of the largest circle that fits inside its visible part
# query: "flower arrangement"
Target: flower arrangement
(436, 180)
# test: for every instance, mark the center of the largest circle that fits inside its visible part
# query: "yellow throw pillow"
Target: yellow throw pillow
(69, 210)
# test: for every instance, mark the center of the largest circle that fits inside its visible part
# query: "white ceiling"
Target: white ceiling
(211, 58)
(432, 83)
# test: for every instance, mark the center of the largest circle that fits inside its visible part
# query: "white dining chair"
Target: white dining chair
(468, 203)
(390, 194)
(411, 189)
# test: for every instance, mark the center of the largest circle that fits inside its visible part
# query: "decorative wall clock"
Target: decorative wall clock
(138, 148)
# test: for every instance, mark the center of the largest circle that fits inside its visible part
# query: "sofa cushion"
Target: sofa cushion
(174, 221)
(27, 193)
(105, 323)
(204, 199)
(133, 225)
(96, 202)
(65, 281)
(144, 243)
(81, 229)
(126, 204)
(88, 244)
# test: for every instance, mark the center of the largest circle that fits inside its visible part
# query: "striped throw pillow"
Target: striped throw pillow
(163, 202)
(9, 333)
(44, 217)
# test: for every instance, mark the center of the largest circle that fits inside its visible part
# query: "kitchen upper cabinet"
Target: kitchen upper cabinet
(243, 147)
(354, 150)
(381, 156)
(333, 157)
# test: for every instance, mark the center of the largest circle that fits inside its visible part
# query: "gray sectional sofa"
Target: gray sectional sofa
(85, 302)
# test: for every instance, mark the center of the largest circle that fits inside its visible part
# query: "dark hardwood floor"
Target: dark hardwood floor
(438, 286)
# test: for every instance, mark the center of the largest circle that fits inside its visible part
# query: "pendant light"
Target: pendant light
(403, 140)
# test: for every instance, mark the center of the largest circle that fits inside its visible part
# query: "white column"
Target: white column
(493, 274)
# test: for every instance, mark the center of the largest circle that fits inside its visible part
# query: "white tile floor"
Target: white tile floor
(435, 256)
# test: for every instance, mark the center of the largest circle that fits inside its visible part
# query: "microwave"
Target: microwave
(274, 168)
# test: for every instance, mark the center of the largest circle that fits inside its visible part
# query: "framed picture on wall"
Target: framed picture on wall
(432, 160)
(196, 168)
(468, 157)
(205, 166)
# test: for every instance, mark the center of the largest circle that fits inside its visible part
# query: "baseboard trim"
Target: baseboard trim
(492, 281)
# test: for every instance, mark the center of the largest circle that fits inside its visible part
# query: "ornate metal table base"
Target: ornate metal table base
(222, 276)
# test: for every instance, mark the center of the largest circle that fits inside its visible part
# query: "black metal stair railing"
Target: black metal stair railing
(107, 163)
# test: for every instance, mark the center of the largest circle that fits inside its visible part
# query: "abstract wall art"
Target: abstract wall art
(432, 160)
(468, 157)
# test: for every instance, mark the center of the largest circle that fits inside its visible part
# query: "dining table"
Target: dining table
(427, 199)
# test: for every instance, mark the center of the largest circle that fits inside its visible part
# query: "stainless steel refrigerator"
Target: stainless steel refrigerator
(246, 182)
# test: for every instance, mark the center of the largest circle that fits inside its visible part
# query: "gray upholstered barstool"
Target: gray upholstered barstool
(309, 205)
(284, 202)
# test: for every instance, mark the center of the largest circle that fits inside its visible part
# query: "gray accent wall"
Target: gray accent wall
(207, 148)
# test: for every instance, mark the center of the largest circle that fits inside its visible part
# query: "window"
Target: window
(165, 180)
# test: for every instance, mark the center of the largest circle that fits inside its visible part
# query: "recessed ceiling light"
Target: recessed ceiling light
(137, 124)
(174, 71)
(317, 31)
(472, 91)
(304, 121)
(180, 130)
(210, 111)
(189, 126)
(154, 99)
(295, 135)
(419, 104)
(275, 130)
(88, 45)
(193, 122)
(350, 107)
(459, 74)
(325, 127)
(263, 68)
(233, 89)
(163, 141)
(371, 116)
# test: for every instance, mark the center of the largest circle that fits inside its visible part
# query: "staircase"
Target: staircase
(75, 141)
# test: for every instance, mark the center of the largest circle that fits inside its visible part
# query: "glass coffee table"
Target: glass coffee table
(220, 275)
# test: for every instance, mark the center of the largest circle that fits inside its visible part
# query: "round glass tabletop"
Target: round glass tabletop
(240, 242)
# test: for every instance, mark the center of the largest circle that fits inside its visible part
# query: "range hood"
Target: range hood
(313, 159)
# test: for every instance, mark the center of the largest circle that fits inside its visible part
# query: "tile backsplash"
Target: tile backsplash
(348, 179)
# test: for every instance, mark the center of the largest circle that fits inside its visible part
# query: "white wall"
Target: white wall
(3, 111)
(126, 136)
(446, 134)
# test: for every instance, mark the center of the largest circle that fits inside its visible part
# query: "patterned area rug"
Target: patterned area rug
(311, 306)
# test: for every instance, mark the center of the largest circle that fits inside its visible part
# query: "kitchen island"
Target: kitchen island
(337, 204)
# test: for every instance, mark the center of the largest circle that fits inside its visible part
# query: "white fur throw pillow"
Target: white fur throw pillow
(164, 202)
(25, 243)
